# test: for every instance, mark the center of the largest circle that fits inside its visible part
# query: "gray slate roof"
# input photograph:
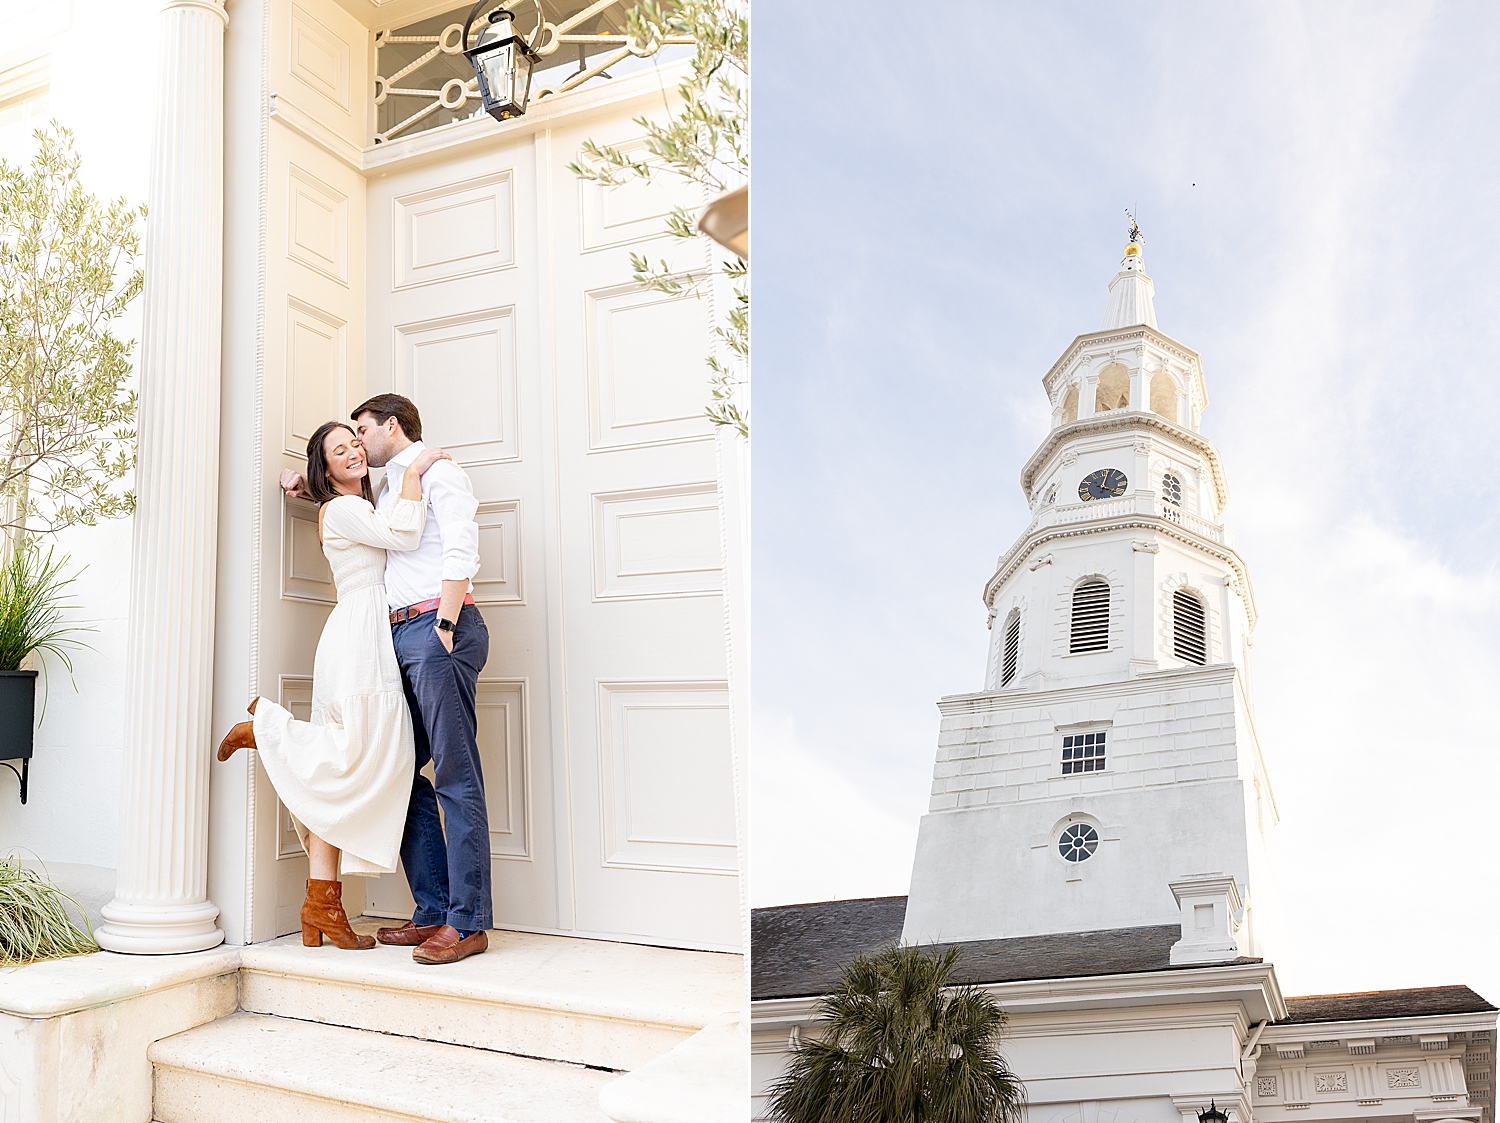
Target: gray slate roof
(1416, 1003)
(799, 950)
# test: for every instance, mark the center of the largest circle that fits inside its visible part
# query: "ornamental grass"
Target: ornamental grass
(33, 587)
(34, 918)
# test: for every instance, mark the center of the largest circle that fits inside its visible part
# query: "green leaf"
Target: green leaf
(900, 1042)
(705, 142)
(67, 274)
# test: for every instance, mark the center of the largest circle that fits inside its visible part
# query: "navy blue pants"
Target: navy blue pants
(449, 877)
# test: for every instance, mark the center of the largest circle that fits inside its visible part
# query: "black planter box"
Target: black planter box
(17, 714)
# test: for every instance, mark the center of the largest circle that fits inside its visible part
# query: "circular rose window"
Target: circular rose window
(1078, 842)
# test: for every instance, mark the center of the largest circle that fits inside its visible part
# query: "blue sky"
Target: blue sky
(938, 210)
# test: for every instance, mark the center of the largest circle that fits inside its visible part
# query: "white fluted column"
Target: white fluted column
(161, 893)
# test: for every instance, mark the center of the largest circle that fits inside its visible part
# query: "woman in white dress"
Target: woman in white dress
(346, 775)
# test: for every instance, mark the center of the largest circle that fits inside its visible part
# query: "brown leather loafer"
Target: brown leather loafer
(446, 947)
(408, 935)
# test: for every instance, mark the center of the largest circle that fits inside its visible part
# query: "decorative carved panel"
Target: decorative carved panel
(499, 577)
(319, 58)
(317, 226)
(504, 749)
(461, 372)
(648, 381)
(666, 779)
(635, 210)
(315, 365)
(457, 230)
(295, 694)
(1325, 1083)
(1403, 1078)
(657, 542)
(305, 575)
(1265, 1087)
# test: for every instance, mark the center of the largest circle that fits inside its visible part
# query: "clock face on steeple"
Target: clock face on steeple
(1106, 483)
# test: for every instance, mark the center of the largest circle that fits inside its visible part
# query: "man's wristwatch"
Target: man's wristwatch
(444, 625)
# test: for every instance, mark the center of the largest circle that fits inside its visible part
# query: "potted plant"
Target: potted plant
(32, 587)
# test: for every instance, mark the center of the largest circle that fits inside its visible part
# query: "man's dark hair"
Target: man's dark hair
(383, 407)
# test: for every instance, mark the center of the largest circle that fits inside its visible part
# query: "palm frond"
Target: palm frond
(899, 1042)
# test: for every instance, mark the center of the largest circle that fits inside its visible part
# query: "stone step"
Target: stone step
(592, 1002)
(280, 1070)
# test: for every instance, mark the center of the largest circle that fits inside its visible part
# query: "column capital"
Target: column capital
(214, 6)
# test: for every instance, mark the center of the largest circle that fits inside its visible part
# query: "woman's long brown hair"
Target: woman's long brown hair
(319, 489)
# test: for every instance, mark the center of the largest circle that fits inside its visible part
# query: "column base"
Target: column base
(154, 929)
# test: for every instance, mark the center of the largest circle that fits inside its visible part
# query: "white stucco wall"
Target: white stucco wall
(1177, 798)
(70, 821)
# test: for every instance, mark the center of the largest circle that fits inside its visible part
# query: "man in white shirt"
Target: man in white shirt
(441, 644)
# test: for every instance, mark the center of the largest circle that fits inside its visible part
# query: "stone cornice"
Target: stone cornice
(983, 701)
(1018, 554)
(1124, 337)
(310, 128)
(1374, 1027)
(1252, 985)
(1116, 421)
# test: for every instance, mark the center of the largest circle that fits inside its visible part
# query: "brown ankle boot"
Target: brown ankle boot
(242, 736)
(323, 915)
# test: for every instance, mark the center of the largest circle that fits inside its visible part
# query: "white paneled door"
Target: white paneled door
(500, 300)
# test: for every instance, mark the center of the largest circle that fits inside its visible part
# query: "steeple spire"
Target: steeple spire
(1131, 292)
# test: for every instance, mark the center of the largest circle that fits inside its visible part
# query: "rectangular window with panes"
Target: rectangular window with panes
(1083, 752)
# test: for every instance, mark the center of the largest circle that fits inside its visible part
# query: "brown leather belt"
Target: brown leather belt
(421, 608)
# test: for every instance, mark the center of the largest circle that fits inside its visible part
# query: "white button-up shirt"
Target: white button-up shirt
(450, 540)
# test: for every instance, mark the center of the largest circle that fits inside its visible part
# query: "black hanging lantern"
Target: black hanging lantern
(1212, 1115)
(502, 62)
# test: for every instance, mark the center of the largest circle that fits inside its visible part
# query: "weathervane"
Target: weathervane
(1135, 231)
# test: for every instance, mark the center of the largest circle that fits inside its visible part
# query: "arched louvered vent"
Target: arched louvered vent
(1090, 617)
(1012, 646)
(1189, 628)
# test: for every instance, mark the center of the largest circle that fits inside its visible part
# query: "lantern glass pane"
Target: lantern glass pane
(523, 79)
(499, 74)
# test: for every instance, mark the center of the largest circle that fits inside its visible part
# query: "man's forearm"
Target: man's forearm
(452, 599)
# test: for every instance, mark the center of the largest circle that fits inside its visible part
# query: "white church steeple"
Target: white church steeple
(1130, 293)
(1108, 775)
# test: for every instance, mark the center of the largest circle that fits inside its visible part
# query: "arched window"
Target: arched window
(1189, 628)
(1012, 647)
(1164, 396)
(1171, 497)
(1171, 489)
(1090, 630)
(1070, 405)
(1113, 388)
